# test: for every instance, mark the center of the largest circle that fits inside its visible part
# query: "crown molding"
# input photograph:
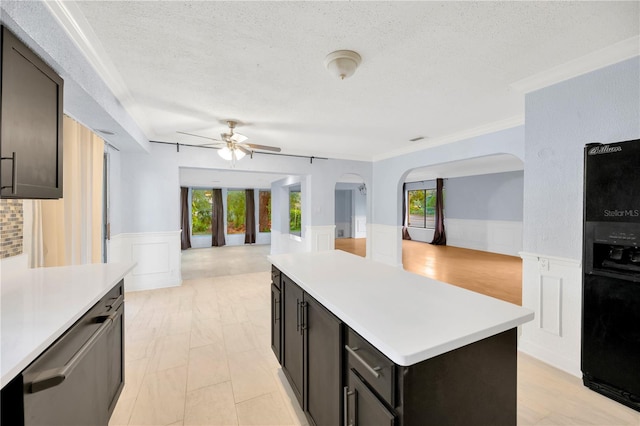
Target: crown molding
(610, 55)
(73, 21)
(484, 129)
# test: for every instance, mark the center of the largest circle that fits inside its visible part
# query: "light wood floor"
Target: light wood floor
(200, 354)
(495, 275)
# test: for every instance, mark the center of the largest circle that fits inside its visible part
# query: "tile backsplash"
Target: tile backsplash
(11, 222)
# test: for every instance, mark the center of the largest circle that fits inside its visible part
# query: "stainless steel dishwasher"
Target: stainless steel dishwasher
(78, 379)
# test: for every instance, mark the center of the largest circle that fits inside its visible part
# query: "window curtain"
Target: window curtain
(185, 239)
(217, 220)
(72, 226)
(405, 230)
(439, 236)
(249, 217)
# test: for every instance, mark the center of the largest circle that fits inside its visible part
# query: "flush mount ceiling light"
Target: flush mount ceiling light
(342, 63)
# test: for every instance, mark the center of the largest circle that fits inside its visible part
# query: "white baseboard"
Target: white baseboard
(157, 255)
(552, 287)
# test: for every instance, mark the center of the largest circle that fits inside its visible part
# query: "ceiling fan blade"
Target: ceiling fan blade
(238, 138)
(243, 149)
(197, 136)
(263, 147)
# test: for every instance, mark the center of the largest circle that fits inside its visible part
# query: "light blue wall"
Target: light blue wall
(601, 106)
(150, 185)
(496, 196)
(389, 174)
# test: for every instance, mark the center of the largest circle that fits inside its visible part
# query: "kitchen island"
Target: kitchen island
(74, 315)
(366, 343)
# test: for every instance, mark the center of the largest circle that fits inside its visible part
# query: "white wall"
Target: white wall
(601, 106)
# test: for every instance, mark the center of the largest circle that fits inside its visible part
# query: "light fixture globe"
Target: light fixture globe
(229, 154)
(342, 63)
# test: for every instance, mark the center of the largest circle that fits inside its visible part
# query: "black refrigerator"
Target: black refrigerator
(611, 271)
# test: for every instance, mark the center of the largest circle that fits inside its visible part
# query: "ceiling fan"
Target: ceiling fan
(234, 145)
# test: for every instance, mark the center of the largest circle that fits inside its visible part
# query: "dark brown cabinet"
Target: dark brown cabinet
(30, 123)
(78, 379)
(323, 364)
(311, 354)
(362, 406)
(340, 378)
(115, 348)
(276, 314)
(292, 336)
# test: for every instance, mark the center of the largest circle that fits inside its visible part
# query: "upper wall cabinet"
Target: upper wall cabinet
(30, 124)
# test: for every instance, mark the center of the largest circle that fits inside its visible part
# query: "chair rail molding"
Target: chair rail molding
(552, 287)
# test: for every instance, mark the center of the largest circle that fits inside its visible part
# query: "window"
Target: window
(201, 204)
(422, 208)
(235, 212)
(295, 211)
(264, 211)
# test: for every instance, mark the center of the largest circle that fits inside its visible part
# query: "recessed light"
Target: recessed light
(416, 139)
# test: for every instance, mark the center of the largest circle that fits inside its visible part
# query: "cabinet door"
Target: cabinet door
(292, 337)
(323, 366)
(362, 407)
(115, 360)
(30, 124)
(276, 315)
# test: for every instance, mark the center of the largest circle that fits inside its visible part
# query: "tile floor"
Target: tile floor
(200, 354)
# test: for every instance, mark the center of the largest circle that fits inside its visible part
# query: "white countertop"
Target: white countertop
(408, 317)
(39, 305)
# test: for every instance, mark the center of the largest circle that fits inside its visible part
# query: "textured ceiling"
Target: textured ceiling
(428, 69)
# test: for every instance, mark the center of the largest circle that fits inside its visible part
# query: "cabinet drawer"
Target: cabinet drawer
(370, 364)
(275, 276)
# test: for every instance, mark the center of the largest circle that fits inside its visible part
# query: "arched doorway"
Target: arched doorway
(351, 214)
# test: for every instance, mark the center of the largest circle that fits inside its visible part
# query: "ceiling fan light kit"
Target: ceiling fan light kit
(342, 63)
(229, 153)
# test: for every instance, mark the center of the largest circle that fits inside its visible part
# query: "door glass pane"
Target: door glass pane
(264, 210)
(201, 206)
(235, 212)
(295, 212)
(417, 208)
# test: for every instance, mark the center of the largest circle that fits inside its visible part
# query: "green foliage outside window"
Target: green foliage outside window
(235, 212)
(264, 211)
(422, 208)
(295, 212)
(201, 202)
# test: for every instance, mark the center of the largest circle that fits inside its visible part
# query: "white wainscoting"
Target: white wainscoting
(422, 234)
(157, 255)
(552, 287)
(316, 238)
(384, 242)
(204, 241)
(321, 238)
(496, 236)
(360, 227)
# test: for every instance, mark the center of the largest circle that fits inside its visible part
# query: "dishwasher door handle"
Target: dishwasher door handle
(54, 376)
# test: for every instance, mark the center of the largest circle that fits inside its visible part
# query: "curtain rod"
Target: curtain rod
(178, 145)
